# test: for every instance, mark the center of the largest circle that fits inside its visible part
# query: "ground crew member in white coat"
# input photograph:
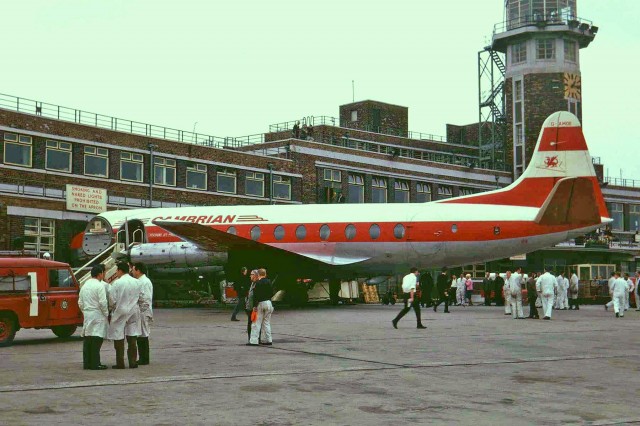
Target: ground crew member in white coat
(560, 291)
(620, 288)
(611, 280)
(506, 291)
(515, 290)
(574, 288)
(628, 295)
(139, 272)
(546, 286)
(461, 288)
(124, 296)
(93, 303)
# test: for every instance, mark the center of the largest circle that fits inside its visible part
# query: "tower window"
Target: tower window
(518, 53)
(570, 51)
(546, 48)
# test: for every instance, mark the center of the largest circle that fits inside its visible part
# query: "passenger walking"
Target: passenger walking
(574, 287)
(486, 288)
(453, 290)
(426, 288)
(443, 286)
(515, 293)
(253, 276)
(532, 295)
(241, 286)
(93, 303)
(139, 272)
(506, 292)
(409, 284)
(124, 296)
(546, 287)
(262, 293)
(620, 288)
(498, 283)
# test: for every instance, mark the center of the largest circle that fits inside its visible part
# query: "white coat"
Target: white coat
(146, 311)
(620, 290)
(124, 295)
(546, 286)
(94, 306)
(575, 282)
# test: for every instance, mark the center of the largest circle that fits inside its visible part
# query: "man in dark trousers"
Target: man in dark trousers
(241, 286)
(443, 284)
(426, 287)
(486, 288)
(498, 284)
(409, 284)
(532, 295)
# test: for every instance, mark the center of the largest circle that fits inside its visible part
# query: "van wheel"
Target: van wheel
(63, 331)
(7, 330)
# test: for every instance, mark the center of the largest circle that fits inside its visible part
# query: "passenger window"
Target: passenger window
(398, 231)
(374, 231)
(350, 232)
(232, 230)
(278, 233)
(255, 233)
(325, 232)
(301, 232)
(454, 228)
(60, 278)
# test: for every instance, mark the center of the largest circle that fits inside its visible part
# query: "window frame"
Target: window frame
(134, 159)
(98, 154)
(401, 187)
(196, 168)
(546, 49)
(420, 190)
(19, 142)
(357, 183)
(281, 181)
(164, 166)
(61, 147)
(379, 185)
(225, 173)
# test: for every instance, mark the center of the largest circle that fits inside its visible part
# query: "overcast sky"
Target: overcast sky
(231, 68)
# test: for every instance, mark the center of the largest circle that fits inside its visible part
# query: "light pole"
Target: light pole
(151, 174)
(270, 167)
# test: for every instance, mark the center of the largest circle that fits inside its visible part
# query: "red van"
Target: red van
(37, 293)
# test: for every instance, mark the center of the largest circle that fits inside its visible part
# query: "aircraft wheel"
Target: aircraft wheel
(7, 330)
(63, 331)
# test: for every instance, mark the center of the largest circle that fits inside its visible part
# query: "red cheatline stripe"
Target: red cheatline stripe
(562, 139)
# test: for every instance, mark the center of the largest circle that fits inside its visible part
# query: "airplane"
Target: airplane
(557, 198)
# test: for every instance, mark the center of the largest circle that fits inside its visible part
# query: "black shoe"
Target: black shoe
(617, 315)
(547, 318)
(100, 367)
(421, 326)
(85, 367)
(446, 312)
(252, 344)
(117, 367)
(395, 324)
(234, 319)
(435, 308)
(266, 343)
(143, 362)
(133, 366)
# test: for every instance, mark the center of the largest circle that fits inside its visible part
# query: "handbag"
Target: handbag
(254, 316)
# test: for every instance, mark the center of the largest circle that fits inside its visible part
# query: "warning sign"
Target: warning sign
(86, 199)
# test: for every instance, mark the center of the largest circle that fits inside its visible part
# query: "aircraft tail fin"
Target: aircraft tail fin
(560, 153)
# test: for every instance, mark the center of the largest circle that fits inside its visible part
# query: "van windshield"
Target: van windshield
(60, 278)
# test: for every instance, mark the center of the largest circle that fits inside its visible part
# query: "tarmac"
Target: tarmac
(340, 365)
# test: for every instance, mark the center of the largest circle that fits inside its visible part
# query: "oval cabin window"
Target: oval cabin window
(398, 231)
(301, 232)
(325, 232)
(278, 233)
(374, 231)
(350, 232)
(232, 230)
(255, 233)
(454, 228)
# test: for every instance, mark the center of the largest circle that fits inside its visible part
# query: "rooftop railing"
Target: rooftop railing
(632, 183)
(539, 19)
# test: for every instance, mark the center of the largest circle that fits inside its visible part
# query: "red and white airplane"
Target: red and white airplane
(558, 197)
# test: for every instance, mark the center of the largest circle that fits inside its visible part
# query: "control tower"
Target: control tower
(541, 41)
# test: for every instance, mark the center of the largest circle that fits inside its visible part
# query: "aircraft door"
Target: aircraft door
(425, 242)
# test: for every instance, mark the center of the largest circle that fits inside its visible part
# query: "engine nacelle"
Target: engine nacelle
(178, 254)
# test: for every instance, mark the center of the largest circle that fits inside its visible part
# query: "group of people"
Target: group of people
(304, 133)
(254, 296)
(620, 288)
(118, 310)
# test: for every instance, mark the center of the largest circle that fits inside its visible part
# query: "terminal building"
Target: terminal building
(61, 166)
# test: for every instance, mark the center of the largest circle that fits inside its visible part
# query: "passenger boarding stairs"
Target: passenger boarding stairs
(108, 258)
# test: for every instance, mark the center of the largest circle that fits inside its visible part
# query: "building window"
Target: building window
(17, 149)
(58, 156)
(96, 161)
(332, 175)
(226, 181)
(379, 190)
(616, 211)
(254, 184)
(518, 127)
(546, 48)
(39, 235)
(281, 187)
(444, 192)
(423, 192)
(466, 191)
(573, 106)
(164, 171)
(570, 51)
(197, 176)
(354, 115)
(519, 53)
(131, 166)
(401, 191)
(634, 217)
(356, 189)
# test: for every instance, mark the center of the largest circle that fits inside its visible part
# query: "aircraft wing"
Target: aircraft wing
(210, 239)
